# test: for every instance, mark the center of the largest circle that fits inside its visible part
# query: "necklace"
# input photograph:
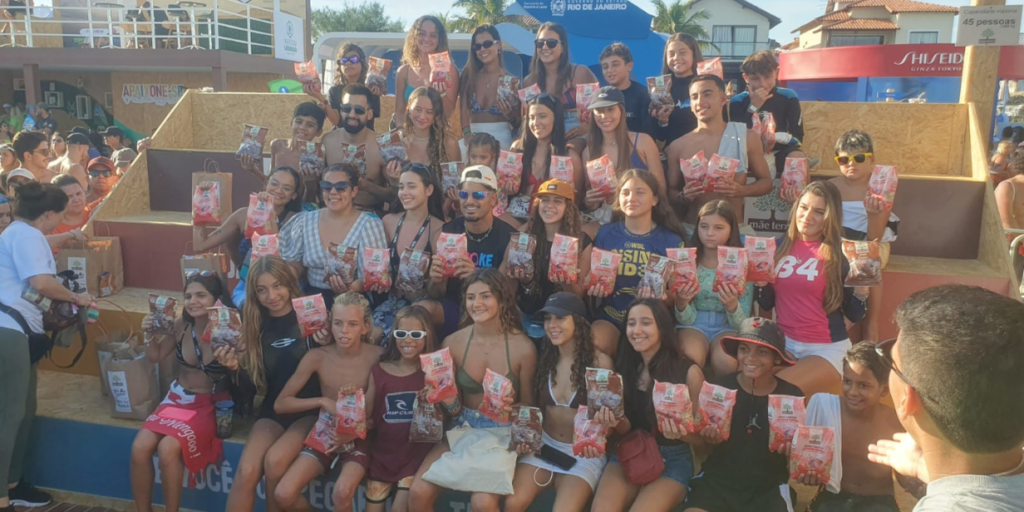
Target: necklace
(482, 238)
(420, 139)
(1012, 471)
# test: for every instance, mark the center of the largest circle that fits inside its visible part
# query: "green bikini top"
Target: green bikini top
(472, 387)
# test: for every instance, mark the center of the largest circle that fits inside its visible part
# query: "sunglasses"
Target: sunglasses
(340, 186)
(416, 335)
(486, 44)
(348, 60)
(478, 195)
(550, 43)
(884, 350)
(345, 109)
(204, 273)
(859, 158)
(97, 174)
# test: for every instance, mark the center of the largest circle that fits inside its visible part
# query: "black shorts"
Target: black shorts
(716, 495)
(826, 501)
(782, 152)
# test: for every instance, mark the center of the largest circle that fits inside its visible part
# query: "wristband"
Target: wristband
(752, 109)
(466, 131)
(454, 407)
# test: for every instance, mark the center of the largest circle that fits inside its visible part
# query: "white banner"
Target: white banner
(289, 37)
(990, 25)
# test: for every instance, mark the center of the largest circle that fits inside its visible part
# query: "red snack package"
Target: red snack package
(785, 414)
(376, 275)
(343, 262)
(604, 389)
(602, 176)
(715, 409)
(767, 131)
(496, 388)
(440, 68)
(732, 268)
(660, 88)
(377, 73)
(760, 259)
(561, 169)
(257, 215)
(451, 247)
(794, 176)
(413, 269)
(811, 453)
(695, 169)
(564, 264)
(161, 308)
(427, 420)
(587, 434)
(604, 266)
(322, 437)
(656, 275)
(720, 168)
(510, 169)
(355, 155)
(711, 67)
(253, 138)
(206, 206)
(684, 268)
(351, 414)
(311, 160)
(507, 87)
(450, 174)
(865, 259)
(585, 94)
(883, 184)
(526, 427)
(224, 327)
(311, 312)
(439, 375)
(264, 245)
(391, 147)
(305, 72)
(528, 93)
(520, 255)
(672, 403)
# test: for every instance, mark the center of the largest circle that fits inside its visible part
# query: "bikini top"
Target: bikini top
(472, 387)
(548, 399)
(634, 159)
(215, 371)
(474, 107)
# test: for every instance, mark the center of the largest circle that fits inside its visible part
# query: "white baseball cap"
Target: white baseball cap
(480, 174)
(24, 173)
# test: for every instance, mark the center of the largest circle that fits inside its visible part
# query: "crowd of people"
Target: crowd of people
(542, 327)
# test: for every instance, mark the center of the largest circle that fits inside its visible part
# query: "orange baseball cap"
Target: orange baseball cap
(557, 188)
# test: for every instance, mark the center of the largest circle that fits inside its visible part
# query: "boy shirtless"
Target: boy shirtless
(307, 124)
(864, 217)
(864, 485)
(714, 136)
(343, 365)
(355, 143)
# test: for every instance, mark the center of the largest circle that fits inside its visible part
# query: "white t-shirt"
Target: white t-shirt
(24, 253)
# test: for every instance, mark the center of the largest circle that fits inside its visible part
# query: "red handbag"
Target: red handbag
(640, 457)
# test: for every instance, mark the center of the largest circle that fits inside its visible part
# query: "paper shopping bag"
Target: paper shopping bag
(97, 264)
(132, 379)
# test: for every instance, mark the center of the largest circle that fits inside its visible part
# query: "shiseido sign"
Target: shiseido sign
(932, 62)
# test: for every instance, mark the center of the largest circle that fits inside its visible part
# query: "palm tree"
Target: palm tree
(450, 22)
(479, 12)
(678, 18)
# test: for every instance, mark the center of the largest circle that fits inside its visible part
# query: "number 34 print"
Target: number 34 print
(789, 264)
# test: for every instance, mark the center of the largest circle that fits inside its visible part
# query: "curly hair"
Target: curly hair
(339, 77)
(508, 311)
(584, 357)
(254, 314)
(411, 50)
(439, 131)
(570, 225)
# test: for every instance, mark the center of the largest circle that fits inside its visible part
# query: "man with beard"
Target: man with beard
(299, 152)
(78, 150)
(356, 144)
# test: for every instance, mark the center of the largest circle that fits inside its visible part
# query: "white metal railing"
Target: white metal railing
(733, 50)
(113, 25)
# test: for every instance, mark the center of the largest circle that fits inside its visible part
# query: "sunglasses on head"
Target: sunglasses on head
(478, 195)
(486, 44)
(416, 335)
(348, 60)
(859, 158)
(340, 186)
(203, 273)
(550, 43)
(346, 108)
(105, 173)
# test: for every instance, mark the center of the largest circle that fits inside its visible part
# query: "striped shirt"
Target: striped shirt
(300, 242)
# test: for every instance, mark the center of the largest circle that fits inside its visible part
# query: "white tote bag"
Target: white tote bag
(479, 461)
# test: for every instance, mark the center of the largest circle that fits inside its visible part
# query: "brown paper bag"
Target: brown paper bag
(132, 380)
(97, 264)
(223, 179)
(106, 346)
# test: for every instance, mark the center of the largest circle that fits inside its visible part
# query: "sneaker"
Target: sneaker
(26, 495)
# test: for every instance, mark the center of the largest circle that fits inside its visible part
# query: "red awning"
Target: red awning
(894, 60)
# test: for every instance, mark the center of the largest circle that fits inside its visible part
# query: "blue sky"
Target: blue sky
(792, 12)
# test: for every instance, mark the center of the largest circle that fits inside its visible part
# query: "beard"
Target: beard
(353, 129)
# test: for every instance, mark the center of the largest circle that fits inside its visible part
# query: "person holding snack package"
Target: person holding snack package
(648, 355)
(616, 67)
(483, 149)
(356, 144)
(865, 216)
(342, 368)
(271, 349)
(733, 154)
(491, 327)
(201, 383)
(552, 72)
(427, 36)
(485, 81)
(704, 316)
(742, 472)
(673, 115)
(647, 227)
(813, 304)
(413, 233)
(427, 135)
(354, 68)
(560, 389)
(546, 154)
(298, 152)
(554, 213)
(306, 239)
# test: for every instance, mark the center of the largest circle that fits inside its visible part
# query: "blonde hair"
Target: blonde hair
(831, 251)
(254, 314)
(1005, 148)
(355, 299)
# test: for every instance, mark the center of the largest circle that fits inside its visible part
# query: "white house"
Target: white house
(866, 22)
(738, 28)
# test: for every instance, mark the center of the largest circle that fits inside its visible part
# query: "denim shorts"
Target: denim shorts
(678, 462)
(476, 420)
(711, 323)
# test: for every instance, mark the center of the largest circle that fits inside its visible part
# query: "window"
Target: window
(855, 40)
(733, 41)
(931, 37)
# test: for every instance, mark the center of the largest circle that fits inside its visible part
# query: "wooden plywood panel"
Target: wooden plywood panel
(224, 114)
(175, 132)
(920, 139)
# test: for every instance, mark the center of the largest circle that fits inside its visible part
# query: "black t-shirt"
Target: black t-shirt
(49, 122)
(334, 98)
(638, 106)
(682, 120)
(784, 106)
(531, 303)
(486, 253)
(283, 348)
(639, 404)
(745, 456)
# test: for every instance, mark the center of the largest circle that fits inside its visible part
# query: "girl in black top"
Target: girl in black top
(682, 53)
(351, 68)
(650, 355)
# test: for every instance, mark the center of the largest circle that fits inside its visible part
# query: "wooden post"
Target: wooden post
(978, 85)
(33, 91)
